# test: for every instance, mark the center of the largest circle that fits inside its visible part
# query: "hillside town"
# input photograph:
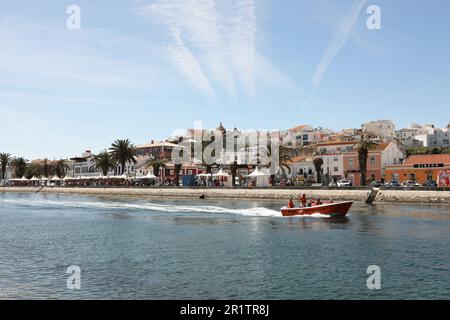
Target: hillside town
(309, 156)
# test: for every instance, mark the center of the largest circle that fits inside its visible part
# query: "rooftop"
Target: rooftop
(427, 159)
(157, 144)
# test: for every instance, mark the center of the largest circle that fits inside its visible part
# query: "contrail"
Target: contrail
(340, 37)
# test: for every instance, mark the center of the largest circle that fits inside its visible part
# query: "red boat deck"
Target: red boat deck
(335, 209)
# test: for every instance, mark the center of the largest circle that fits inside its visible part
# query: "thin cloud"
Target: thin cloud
(219, 35)
(188, 65)
(340, 37)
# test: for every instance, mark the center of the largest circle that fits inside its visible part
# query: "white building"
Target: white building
(333, 165)
(303, 169)
(384, 129)
(84, 165)
(303, 135)
(424, 135)
(435, 138)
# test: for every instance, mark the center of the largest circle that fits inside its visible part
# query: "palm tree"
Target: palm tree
(61, 168)
(104, 162)
(5, 159)
(156, 162)
(363, 147)
(318, 163)
(47, 168)
(20, 166)
(284, 160)
(123, 151)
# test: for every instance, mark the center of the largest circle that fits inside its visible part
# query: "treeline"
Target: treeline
(426, 150)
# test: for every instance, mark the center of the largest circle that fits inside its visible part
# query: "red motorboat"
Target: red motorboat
(333, 209)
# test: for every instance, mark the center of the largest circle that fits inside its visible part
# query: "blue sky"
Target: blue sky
(141, 69)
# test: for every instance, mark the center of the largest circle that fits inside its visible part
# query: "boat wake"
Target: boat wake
(257, 211)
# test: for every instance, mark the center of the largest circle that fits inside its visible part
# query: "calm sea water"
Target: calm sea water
(131, 248)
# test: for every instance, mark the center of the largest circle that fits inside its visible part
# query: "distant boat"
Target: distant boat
(334, 209)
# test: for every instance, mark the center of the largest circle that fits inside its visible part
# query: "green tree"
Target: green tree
(123, 151)
(5, 159)
(318, 163)
(156, 162)
(363, 147)
(104, 162)
(60, 168)
(19, 166)
(284, 159)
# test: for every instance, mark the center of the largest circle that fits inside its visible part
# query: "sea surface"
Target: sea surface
(140, 248)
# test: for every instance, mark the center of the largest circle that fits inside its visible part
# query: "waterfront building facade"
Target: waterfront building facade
(421, 168)
(385, 154)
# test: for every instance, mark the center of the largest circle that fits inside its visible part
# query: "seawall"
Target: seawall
(406, 196)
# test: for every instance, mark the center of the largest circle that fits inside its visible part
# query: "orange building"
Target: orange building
(421, 168)
(383, 155)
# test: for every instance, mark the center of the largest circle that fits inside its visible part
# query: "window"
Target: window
(335, 159)
(335, 169)
(429, 176)
(412, 176)
(305, 137)
(372, 161)
(350, 163)
(395, 177)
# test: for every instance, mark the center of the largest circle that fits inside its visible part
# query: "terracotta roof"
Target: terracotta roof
(335, 143)
(299, 128)
(297, 159)
(157, 144)
(427, 159)
(382, 146)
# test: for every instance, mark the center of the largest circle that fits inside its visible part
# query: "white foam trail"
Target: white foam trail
(261, 212)
(251, 212)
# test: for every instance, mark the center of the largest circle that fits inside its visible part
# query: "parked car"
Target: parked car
(344, 183)
(376, 184)
(430, 184)
(393, 184)
(410, 183)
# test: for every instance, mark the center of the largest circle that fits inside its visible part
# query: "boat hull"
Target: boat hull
(338, 209)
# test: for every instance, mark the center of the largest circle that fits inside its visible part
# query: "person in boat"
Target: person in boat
(290, 203)
(310, 203)
(302, 200)
(318, 202)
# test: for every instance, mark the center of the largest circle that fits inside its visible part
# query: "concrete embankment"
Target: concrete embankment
(406, 196)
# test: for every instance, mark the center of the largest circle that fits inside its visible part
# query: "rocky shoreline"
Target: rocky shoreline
(404, 196)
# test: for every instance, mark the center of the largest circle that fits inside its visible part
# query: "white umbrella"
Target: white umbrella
(257, 173)
(67, 178)
(23, 179)
(150, 175)
(34, 178)
(44, 179)
(204, 175)
(55, 178)
(221, 173)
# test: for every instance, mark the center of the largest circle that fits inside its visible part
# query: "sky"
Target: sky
(143, 69)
